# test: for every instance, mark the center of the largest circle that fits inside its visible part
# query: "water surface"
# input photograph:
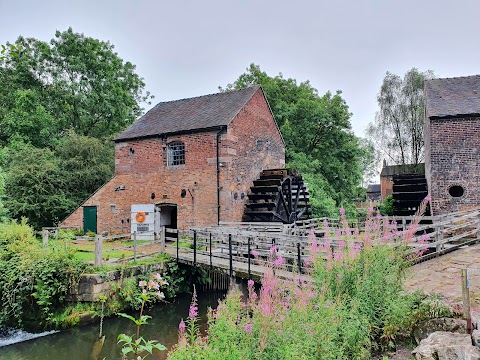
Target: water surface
(77, 343)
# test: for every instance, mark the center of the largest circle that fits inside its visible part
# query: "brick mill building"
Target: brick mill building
(187, 163)
(452, 143)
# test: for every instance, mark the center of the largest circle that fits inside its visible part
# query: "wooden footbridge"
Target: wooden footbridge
(244, 249)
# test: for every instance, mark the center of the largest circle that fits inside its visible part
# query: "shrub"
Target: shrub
(34, 281)
(353, 304)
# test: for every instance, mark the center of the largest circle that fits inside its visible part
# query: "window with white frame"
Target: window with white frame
(176, 153)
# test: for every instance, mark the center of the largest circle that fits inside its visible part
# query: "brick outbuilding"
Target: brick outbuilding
(191, 161)
(452, 143)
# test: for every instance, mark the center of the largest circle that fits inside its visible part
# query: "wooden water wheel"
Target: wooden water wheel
(280, 195)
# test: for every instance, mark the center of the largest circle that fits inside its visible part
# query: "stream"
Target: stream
(77, 343)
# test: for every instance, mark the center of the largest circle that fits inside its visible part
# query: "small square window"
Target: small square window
(176, 153)
(113, 208)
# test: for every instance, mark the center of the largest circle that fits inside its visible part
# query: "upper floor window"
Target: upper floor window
(176, 153)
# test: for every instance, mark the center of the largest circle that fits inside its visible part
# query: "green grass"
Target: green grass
(90, 256)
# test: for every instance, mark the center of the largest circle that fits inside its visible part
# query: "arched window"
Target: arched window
(176, 153)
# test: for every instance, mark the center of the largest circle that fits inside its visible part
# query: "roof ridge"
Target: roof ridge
(213, 94)
(454, 77)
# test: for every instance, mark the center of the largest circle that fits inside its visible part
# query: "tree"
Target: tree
(397, 132)
(34, 186)
(318, 136)
(87, 163)
(3, 211)
(81, 82)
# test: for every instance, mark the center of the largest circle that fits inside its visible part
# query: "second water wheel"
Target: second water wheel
(280, 195)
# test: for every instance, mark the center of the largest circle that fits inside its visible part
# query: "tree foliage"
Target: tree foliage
(82, 83)
(318, 136)
(397, 131)
(61, 102)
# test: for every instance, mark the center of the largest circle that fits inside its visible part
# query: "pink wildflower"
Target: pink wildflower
(153, 285)
(428, 198)
(279, 261)
(250, 283)
(142, 283)
(342, 211)
(370, 210)
(342, 243)
(248, 328)
(325, 223)
(254, 253)
(193, 312)
(181, 326)
(159, 294)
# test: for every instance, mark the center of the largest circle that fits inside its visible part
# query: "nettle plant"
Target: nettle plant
(137, 346)
(351, 304)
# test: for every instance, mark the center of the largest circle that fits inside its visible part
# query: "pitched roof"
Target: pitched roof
(203, 112)
(390, 170)
(452, 97)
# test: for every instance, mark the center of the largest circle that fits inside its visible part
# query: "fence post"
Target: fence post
(134, 246)
(466, 300)
(230, 253)
(98, 250)
(45, 238)
(162, 238)
(211, 251)
(178, 244)
(249, 274)
(299, 259)
(194, 247)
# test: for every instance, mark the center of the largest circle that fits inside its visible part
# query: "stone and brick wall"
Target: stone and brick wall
(453, 160)
(141, 170)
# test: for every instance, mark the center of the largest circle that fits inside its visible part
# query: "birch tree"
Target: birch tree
(397, 132)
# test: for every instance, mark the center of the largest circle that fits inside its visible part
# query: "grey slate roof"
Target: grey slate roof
(390, 170)
(203, 112)
(452, 97)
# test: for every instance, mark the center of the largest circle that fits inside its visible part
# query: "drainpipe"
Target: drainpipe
(218, 173)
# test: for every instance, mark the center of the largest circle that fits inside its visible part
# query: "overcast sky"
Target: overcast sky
(189, 48)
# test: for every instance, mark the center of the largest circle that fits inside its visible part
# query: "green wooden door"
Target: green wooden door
(90, 219)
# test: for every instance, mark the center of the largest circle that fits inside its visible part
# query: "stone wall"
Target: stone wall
(91, 286)
(454, 160)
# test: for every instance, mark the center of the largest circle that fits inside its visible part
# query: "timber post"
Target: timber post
(162, 238)
(211, 265)
(134, 246)
(299, 259)
(249, 257)
(230, 253)
(45, 238)
(466, 300)
(178, 244)
(98, 250)
(194, 247)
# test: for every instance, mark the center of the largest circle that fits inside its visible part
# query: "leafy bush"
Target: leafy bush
(34, 281)
(386, 207)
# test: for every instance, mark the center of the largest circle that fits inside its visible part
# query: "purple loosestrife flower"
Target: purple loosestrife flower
(250, 283)
(181, 326)
(279, 261)
(254, 253)
(193, 312)
(342, 211)
(248, 328)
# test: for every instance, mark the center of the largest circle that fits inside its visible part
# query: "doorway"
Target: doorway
(90, 219)
(166, 215)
